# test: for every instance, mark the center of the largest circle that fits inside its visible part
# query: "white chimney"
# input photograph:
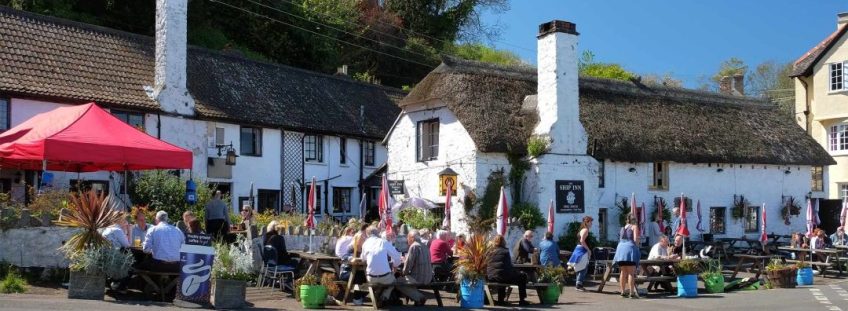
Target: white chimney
(557, 103)
(170, 81)
(841, 19)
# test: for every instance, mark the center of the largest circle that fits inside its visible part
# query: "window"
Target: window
(341, 200)
(843, 191)
(660, 176)
(219, 136)
(717, 218)
(5, 104)
(342, 150)
(601, 168)
(368, 153)
(427, 140)
(836, 77)
(818, 178)
(251, 141)
(602, 223)
(839, 137)
(269, 200)
(313, 148)
(134, 119)
(752, 217)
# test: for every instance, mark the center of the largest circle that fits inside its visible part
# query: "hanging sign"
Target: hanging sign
(569, 196)
(396, 186)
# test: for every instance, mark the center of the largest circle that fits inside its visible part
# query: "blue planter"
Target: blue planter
(805, 276)
(687, 285)
(471, 295)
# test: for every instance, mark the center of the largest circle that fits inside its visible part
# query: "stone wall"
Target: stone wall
(34, 246)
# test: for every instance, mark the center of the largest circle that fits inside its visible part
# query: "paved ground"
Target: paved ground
(830, 295)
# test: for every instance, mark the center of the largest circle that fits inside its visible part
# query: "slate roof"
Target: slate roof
(47, 57)
(804, 65)
(625, 121)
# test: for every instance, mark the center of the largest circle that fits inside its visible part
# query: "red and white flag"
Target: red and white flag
(502, 220)
(660, 210)
(446, 222)
(551, 217)
(385, 206)
(844, 212)
(810, 219)
(310, 205)
(683, 229)
(763, 235)
(633, 211)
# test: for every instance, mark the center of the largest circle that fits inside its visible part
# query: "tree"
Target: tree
(730, 67)
(480, 52)
(770, 76)
(587, 66)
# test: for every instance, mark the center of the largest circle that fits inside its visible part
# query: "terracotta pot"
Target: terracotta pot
(228, 294)
(87, 286)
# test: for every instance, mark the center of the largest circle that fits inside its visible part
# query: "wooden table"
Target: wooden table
(356, 265)
(315, 260)
(828, 252)
(643, 268)
(757, 260)
(731, 242)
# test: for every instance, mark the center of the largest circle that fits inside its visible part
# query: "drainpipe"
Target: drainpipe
(282, 170)
(361, 176)
(302, 174)
(158, 126)
(806, 108)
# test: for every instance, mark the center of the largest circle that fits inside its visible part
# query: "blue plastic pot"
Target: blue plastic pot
(805, 276)
(471, 294)
(687, 286)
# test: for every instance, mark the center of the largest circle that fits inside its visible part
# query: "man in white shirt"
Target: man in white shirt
(116, 235)
(343, 245)
(381, 259)
(659, 251)
(163, 241)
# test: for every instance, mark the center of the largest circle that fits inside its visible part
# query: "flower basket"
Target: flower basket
(313, 296)
(87, 286)
(228, 294)
(782, 278)
(471, 294)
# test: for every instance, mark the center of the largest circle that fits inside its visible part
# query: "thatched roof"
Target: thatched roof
(625, 121)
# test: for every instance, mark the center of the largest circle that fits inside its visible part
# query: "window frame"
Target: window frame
(714, 222)
(256, 143)
(124, 115)
(660, 183)
(601, 173)
(426, 140)
(369, 153)
(342, 151)
(817, 178)
(338, 196)
(262, 195)
(747, 221)
(318, 143)
(836, 77)
(837, 138)
(843, 190)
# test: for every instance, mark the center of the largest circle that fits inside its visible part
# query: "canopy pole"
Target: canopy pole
(126, 192)
(38, 182)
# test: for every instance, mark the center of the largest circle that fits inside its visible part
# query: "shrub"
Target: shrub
(552, 275)
(233, 261)
(419, 219)
(160, 190)
(105, 260)
(90, 212)
(329, 282)
(12, 283)
(569, 240)
(49, 201)
(473, 258)
(687, 266)
(528, 215)
(537, 145)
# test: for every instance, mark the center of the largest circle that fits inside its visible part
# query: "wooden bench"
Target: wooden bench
(372, 290)
(823, 265)
(488, 292)
(166, 281)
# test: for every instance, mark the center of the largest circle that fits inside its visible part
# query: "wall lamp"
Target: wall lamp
(632, 170)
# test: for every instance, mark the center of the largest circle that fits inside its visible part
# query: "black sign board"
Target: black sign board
(569, 196)
(198, 239)
(396, 186)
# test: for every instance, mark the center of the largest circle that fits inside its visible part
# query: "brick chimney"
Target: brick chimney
(841, 19)
(170, 79)
(558, 96)
(739, 84)
(732, 85)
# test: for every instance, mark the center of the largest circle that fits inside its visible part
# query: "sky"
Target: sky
(686, 38)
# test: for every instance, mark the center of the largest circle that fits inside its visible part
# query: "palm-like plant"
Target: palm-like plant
(89, 212)
(473, 258)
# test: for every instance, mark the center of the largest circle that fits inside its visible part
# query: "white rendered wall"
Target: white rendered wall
(557, 105)
(540, 187)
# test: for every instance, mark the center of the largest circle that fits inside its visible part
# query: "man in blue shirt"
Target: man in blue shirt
(549, 251)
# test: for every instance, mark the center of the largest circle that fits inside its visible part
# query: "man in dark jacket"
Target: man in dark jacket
(500, 270)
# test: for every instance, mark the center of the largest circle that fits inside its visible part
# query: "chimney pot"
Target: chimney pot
(557, 26)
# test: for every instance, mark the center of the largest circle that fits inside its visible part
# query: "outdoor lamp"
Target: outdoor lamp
(231, 153)
(447, 178)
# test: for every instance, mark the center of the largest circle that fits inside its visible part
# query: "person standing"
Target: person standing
(217, 217)
(579, 260)
(499, 269)
(627, 257)
(676, 223)
(653, 229)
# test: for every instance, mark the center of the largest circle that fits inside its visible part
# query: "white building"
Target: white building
(286, 124)
(611, 138)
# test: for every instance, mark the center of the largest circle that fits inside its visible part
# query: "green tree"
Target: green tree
(480, 52)
(728, 68)
(587, 66)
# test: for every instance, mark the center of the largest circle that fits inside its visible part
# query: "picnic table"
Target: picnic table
(315, 260)
(757, 260)
(731, 242)
(643, 268)
(835, 253)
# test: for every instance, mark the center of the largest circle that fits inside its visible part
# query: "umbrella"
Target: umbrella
(310, 213)
(698, 226)
(642, 217)
(362, 203)
(683, 230)
(844, 212)
(763, 235)
(385, 205)
(551, 217)
(810, 219)
(633, 210)
(660, 211)
(446, 222)
(502, 220)
(816, 220)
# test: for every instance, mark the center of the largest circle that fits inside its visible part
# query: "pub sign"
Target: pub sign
(570, 196)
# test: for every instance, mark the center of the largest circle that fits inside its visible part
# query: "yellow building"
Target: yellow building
(821, 106)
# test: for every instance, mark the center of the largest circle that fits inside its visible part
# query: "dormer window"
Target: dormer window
(837, 77)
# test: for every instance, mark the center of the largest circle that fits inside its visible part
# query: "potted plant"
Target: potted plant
(90, 254)
(232, 268)
(805, 273)
(554, 276)
(780, 275)
(470, 270)
(713, 278)
(687, 277)
(312, 293)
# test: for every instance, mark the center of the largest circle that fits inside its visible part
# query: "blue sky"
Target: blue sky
(686, 38)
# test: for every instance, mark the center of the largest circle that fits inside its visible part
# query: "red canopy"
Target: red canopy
(85, 139)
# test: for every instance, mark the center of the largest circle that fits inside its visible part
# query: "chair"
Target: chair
(274, 272)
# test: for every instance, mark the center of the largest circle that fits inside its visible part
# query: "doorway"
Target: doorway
(829, 211)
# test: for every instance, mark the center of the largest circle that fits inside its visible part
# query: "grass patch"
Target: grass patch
(12, 283)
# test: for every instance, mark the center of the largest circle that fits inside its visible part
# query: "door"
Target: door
(829, 215)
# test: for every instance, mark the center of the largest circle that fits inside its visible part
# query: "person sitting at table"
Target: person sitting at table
(425, 236)
(139, 229)
(381, 260)
(359, 239)
(343, 244)
(838, 237)
(440, 255)
(579, 260)
(278, 242)
(163, 242)
(116, 235)
(659, 251)
(417, 268)
(499, 269)
(677, 249)
(188, 216)
(194, 227)
(217, 217)
(460, 243)
(525, 248)
(549, 252)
